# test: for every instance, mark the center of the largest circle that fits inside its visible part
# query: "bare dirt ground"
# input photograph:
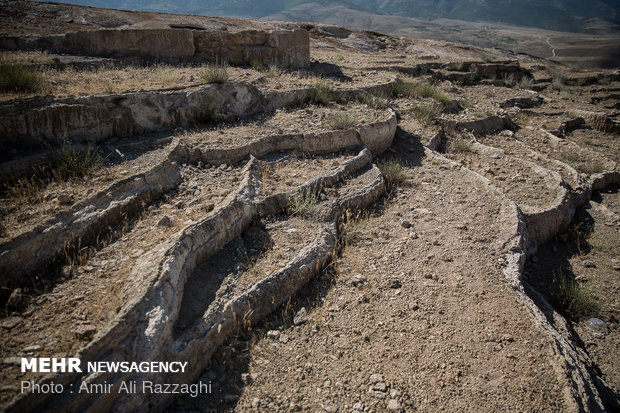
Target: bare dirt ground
(414, 311)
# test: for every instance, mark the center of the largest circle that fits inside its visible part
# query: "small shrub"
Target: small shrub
(72, 164)
(339, 57)
(256, 64)
(524, 83)
(373, 101)
(557, 81)
(273, 71)
(565, 94)
(458, 146)
(19, 78)
(423, 90)
(322, 93)
(303, 202)
(488, 58)
(591, 168)
(393, 172)
(427, 114)
(215, 72)
(340, 120)
(521, 118)
(509, 80)
(574, 299)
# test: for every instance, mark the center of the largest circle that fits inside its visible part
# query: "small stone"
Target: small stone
(16, 300)
(273, 334)
(31, 348)
(301, 317)
(246, 378)
(85, 332)
(283, 339)
(615, 264)
(597, 327)
(15, 361)
(588, 264)
(359, 406)
(356, 280)
(375, 378)
(67, 271)
(406, 224)
(395, 284)
(255, 402)
(380, 386)
(393, 405)
(11, 322)
(166, 221)
(428, 276)
(64, 199)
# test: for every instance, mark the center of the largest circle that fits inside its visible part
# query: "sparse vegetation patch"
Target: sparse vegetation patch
(19, 78)
(428, 113)
(322, 93)
(393, 172)
(340, 120)
(421, 90)
(215, 72)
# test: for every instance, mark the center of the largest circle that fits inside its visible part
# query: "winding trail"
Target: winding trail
(551, 46)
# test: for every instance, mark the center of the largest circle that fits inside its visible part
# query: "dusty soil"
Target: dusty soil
(414, 311)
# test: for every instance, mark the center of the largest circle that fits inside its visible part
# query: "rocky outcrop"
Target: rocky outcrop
(290, 48)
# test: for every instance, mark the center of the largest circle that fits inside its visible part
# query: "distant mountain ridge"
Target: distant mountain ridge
(561, 15)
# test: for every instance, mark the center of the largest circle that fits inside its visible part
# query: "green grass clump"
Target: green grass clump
(575, 300)
(521, 118)
(19, 78)
(557, 81)
(303, 202)
(70, 163)
(458, 146)
(373, 101)
(524, 83)
(215, 72)
(427, 114)
(322, 93)
(393, 172)
(423, 90)
(591, 168)
(341, 120)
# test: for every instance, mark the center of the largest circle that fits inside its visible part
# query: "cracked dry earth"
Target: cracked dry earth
(281, 257)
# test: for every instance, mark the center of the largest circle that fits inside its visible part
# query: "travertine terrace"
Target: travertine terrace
(348, 222)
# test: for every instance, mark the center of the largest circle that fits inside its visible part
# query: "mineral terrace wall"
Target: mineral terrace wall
(290, 48)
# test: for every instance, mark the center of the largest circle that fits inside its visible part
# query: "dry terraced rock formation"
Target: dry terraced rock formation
(396, 225)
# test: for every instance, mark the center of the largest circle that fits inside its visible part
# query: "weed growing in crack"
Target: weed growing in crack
(322, 93)
(303, 202)
(215, 72)
(393, 172)
(340, 120)
(19, 78)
